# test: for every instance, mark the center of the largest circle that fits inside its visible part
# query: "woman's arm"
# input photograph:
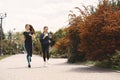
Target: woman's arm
(45, 35)
(23, 38)
(32, 35)
(41, 38)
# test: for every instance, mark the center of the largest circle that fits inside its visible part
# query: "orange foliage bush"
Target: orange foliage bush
(62, 44)
(94, 34)
(100, 35)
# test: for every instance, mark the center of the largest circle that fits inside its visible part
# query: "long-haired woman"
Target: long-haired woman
(28, 45)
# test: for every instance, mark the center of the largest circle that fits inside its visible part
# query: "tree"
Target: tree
(94, 35)
(100, 34)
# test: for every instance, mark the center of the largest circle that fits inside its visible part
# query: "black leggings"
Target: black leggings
(45, 49)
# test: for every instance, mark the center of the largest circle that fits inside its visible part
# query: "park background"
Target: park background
(92, 36)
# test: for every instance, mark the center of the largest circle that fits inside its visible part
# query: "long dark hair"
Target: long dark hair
(31, 28)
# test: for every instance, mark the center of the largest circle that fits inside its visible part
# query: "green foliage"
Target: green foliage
(59, 34)
(112, 62)
(57, 51)
(12, 44)
(115, 60)
(9, 47)
(76, 58)
(36, 44)
(54, 52)
(37, 47)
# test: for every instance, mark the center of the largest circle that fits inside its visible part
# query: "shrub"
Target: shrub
(100, 36)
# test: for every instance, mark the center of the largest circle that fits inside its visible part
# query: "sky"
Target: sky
(39, 13)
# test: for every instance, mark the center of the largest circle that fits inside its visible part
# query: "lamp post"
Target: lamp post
(2, 16)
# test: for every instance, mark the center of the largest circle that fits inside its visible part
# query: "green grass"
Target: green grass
(99, 64)
(116, 68)
(4, 56)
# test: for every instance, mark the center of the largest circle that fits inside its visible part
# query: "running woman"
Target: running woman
(44, 39)
(28, 45)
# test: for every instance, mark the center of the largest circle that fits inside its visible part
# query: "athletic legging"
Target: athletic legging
(28, 56)
(45, 49)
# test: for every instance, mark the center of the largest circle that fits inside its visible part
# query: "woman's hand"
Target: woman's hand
(45, 35)
(30, 35)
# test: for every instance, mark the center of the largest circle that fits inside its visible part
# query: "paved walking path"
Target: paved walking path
(15, 68)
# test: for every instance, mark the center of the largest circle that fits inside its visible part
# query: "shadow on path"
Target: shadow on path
(81, 68)
(92, 69)
(26, 68)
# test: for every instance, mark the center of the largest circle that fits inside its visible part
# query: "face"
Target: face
(46, 29)
(27, 27)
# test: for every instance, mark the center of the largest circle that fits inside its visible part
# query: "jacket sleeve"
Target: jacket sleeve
(41, 38)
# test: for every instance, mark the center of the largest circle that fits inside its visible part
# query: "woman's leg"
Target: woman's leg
(27, 48)
(44, 56)
(28, 59)
(47, 52)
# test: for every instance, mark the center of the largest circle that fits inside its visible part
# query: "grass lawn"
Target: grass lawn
(4, 56)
